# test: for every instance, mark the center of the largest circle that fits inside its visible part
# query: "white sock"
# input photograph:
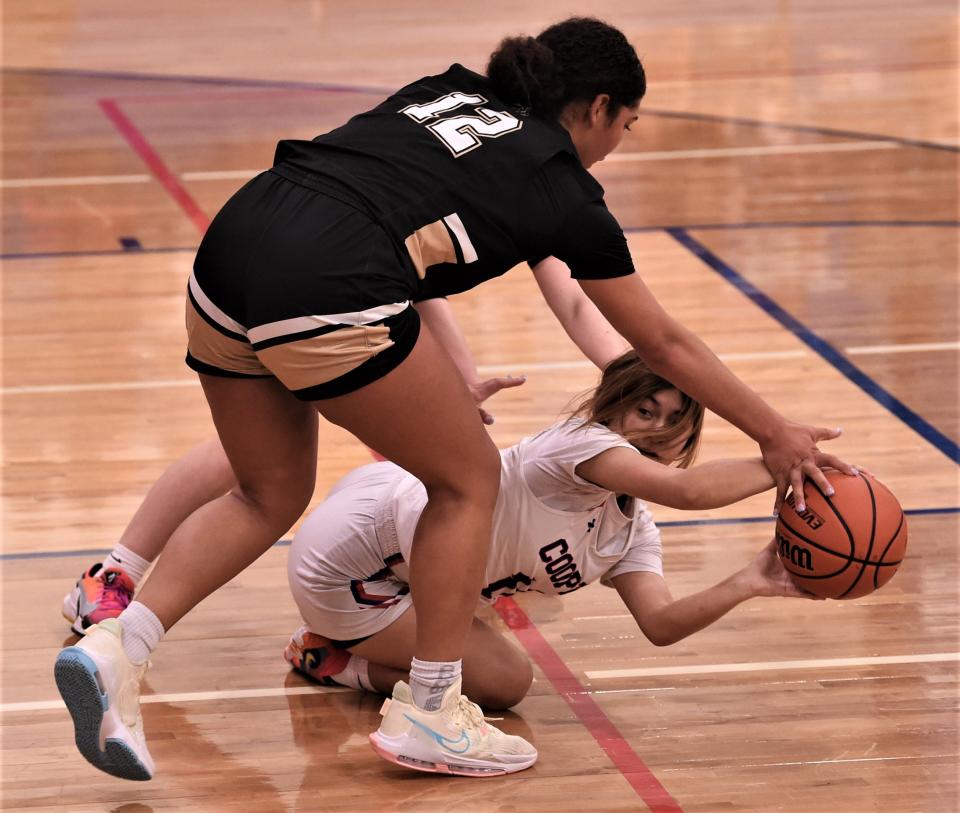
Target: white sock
(355, 675)
(131, 563)
(142, 631)
(430, 679)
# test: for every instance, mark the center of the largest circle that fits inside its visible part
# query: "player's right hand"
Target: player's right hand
(770, 578)
(481, 390)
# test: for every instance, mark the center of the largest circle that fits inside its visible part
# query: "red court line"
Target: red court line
(155, 163)
(202, 95)
(634, 770)
(564, 681)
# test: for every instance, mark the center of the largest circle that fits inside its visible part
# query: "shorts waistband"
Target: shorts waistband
(326, 185)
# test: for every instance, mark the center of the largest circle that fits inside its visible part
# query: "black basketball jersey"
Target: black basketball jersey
(465, 186)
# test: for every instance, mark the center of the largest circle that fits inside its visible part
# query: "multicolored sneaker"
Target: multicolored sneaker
(315, 656)
(101, 688)
(455, 739)
(98, 594)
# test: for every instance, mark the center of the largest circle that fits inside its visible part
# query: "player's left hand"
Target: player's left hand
(770, 578)
(482, 390)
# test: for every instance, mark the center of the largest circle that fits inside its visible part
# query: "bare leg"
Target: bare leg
(271, 441)
(201, 475)
(270, 438)
(422, 417)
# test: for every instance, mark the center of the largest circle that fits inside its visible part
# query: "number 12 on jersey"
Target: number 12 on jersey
(461, 133)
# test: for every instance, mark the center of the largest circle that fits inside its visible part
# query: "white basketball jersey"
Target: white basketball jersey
(553, 531)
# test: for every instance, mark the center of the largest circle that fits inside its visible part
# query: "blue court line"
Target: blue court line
(679, 523)
(346, 88)
(803, 224)
(808, 224)
(100, 252)
(819, 346)
(685, 523)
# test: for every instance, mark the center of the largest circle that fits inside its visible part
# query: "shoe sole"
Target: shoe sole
(80, 686)
(74, 625)
(477, 769)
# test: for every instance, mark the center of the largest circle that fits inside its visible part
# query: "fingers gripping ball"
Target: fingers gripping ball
(844, 546)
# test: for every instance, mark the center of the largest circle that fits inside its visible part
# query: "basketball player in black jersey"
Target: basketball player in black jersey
(302, 301)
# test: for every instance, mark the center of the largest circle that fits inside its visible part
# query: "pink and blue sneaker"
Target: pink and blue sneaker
(100, 593)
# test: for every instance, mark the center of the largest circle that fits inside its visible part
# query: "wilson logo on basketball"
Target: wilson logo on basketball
(813, 519)
(795, 554)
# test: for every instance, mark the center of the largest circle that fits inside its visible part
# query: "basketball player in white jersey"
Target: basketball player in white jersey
(570, 512)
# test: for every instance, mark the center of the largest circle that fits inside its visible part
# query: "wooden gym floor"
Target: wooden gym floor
(790, 193)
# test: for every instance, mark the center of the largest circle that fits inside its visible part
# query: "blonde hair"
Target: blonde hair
(627, 382)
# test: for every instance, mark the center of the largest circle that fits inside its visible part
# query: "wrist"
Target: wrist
(764, 474)
(745, 585)
(770, 429)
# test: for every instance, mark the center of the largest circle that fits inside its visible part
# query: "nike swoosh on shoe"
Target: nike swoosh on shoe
(441, 740)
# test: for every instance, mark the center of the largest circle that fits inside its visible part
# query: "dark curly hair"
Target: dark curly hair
(573, 61)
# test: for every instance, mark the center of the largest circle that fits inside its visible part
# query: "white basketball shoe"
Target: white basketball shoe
(455, 739)
(101, 688)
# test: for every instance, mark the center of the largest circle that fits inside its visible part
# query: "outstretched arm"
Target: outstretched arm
(709, 485)
(579, 317)
(789, 449)
(665, 621)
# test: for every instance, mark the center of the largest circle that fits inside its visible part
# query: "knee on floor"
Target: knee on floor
(506, 687)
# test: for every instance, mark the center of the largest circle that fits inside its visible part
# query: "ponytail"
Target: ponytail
(573, 61)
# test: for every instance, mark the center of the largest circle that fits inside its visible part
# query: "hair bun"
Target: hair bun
(525, 75)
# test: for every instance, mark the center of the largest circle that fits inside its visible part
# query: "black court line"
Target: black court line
(819, 345)
(805, 224)
(679, 233)
(799, 128)
(222, 81)
(678, 523)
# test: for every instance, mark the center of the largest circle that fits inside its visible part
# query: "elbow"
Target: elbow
(659, 631)
(660, 637)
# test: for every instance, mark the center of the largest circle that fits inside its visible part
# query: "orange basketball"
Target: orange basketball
(847, 545)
